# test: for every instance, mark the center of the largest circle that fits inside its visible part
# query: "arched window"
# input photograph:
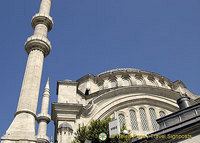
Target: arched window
(162, 114)
(139, 79)
(153, 119)
(143, 118)
(121, 119)
(101, 87)
(126, 82)
(113, 83)
(133, 118)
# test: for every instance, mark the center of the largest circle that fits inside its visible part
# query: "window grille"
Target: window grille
(153, 119)
(121, 119)
(133, 118)
(143, 117)
(162, 114)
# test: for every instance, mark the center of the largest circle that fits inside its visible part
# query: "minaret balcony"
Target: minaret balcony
(42, 139)
(43, 116)
(37, 42)
(42, 19)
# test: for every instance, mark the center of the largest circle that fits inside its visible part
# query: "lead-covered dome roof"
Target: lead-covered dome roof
(120, 70)
(65, 125)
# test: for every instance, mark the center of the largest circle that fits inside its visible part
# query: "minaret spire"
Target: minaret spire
(37, 47)
(44, 118)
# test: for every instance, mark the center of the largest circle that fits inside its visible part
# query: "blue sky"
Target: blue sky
(92, 36)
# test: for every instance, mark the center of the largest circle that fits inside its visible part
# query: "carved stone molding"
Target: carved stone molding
(39, 43)
(42, 19)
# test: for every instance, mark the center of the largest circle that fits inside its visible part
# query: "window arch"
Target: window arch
(143, 118)
(121, 119)
(133, 118)
(153, 119)
(126, 82)
(162, 113)
(113, 83)
(101, 87)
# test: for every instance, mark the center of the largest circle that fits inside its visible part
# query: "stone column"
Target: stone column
(44, 118)
(37, 46)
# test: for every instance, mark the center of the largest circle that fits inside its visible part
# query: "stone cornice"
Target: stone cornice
(18, 138)
(178, 83)
(126, 73)
(132, 91)
(42, 19)
(86, 77)
(98, 93)
(43, 116)
(65, 82)
(65, 109)
(42, 139)
(37, 42)
(25, 111)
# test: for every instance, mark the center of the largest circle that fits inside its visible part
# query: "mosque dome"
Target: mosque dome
(135, 97)
(123, 77)
(120, 70)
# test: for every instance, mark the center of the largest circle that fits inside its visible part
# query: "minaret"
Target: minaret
(51, 140)
(44, 118)
(37, 47)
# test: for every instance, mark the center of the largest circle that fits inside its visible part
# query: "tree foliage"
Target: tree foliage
(92, 132)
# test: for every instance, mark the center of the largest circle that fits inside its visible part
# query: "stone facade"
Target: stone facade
(37, 47)
(138, 97)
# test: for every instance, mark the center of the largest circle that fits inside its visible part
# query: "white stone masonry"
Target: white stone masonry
(44, 118)
(37, 46)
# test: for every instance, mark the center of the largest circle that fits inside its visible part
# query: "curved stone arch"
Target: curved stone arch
(106, 84)
(103, 112)
(161, 111)
(128, 80)
(127, 97)
(121, 112)
(100, 83)
(140, 81)
(126, 77)
(139, 77)
(139, 89)
(113, 81)
(143, 106)
(132, 108)
(152, 79)
(120, 103)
